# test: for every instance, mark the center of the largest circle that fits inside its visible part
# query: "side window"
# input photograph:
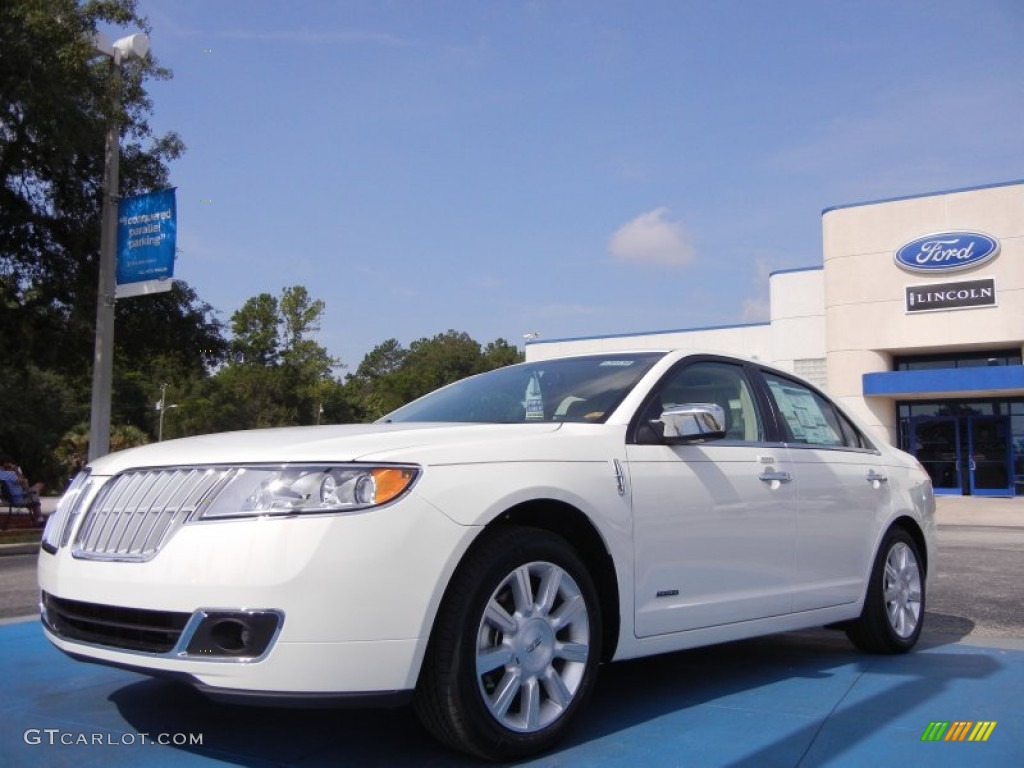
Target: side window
(710, 382)
(853, 436)
(812, 420)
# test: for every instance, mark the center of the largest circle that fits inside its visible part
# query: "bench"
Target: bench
(15, 498)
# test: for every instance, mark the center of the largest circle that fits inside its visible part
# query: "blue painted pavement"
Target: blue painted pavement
(803, 699)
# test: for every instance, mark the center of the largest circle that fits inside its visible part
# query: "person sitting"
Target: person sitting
(23, 493)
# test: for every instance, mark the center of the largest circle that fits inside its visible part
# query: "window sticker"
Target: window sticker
(534, 402)
(617, 363)
(806, 421)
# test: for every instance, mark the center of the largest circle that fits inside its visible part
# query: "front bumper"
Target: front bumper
(347, 602)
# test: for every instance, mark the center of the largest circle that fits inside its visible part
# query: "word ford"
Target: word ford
(946, 251)
(933, 251)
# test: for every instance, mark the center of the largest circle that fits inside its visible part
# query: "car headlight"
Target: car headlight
(289, 490)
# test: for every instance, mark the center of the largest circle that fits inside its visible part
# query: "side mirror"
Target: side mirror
(693, 422)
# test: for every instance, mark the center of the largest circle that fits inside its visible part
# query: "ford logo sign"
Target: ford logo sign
(947, 252)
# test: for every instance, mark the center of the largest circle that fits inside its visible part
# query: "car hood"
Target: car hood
(346, 442)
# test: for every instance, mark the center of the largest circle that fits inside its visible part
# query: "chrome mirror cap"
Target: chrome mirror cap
(694, 421)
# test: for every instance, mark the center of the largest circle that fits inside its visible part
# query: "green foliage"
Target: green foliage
(499, 353)
(276, 375)
(256, 338)
(38, 407)
(56, 100)
(391, 376)
(72, 450)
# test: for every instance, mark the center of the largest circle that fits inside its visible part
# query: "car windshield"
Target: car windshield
(580, 389)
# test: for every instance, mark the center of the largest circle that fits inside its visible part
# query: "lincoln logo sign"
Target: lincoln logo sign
(971, 293)
(947, 251)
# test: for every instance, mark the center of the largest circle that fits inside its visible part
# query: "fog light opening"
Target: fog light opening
(231, 635)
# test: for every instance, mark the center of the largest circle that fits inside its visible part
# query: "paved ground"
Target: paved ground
(801, 699)
(792, 700)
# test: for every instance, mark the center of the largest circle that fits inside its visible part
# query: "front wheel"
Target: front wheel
(894, 606)
(515, 649)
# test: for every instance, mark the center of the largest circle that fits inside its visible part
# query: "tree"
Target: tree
(384, 359)
(499, 353)
(369, 390)
(277, 375)
(299, 317)
(56, 100)
(255, 339)
(390, 375)
(437, 361)
(39, 407)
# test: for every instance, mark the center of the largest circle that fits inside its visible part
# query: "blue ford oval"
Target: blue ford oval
(947, 252)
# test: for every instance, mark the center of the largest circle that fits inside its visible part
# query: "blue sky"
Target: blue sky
(571, 168)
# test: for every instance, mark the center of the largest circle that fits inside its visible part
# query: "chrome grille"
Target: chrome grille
(137, 512)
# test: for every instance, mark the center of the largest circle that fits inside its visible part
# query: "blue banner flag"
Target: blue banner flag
(147, 227)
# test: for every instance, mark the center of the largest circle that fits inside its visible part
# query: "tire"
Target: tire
(894, 605)
(515, 647)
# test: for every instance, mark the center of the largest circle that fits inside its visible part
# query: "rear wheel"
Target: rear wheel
(515, 649)
(894, 606)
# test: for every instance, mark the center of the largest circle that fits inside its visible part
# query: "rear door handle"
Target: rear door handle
(875, 477)
(772, 475)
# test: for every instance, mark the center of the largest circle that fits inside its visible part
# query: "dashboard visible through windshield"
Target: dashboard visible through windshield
(581, 389)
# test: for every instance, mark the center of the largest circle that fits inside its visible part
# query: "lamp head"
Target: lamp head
(133, 46)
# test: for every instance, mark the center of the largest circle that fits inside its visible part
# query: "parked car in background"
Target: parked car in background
(480, 551)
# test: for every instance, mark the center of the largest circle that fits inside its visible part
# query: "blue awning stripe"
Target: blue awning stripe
(1001, 378)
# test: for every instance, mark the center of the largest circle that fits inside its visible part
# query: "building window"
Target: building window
(965, 360)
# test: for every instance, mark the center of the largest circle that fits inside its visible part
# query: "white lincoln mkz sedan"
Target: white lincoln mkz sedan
(480, 551)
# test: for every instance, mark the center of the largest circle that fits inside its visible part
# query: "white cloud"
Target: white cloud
(651, 238)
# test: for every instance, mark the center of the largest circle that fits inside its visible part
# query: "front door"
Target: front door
(714, 524)
(935, 441)
(990, 458)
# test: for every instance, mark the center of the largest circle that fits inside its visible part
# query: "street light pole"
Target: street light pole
(103, 359)
(162, 406)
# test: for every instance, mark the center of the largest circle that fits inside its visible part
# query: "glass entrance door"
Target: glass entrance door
(936, 444)
(989, 456)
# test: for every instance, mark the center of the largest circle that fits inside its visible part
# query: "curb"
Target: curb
(23, 548)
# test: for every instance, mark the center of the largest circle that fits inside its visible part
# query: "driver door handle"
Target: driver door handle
(774, 475)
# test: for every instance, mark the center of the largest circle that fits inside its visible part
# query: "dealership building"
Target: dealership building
(914, 321)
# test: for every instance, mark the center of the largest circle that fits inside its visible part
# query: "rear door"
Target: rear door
(843, 494)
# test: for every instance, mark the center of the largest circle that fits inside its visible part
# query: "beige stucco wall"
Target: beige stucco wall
(797, 316)
(864, 290)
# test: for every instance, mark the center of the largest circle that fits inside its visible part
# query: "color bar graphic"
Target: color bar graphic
(958, 730)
